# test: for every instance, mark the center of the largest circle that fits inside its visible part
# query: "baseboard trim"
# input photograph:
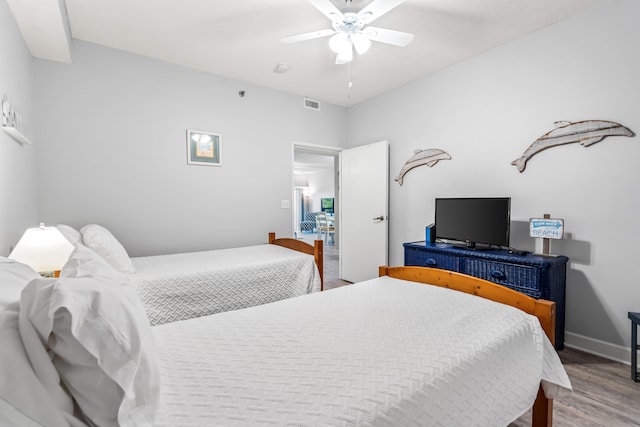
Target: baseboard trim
(604, 349)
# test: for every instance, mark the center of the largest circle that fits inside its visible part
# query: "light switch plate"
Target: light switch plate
(286, 204)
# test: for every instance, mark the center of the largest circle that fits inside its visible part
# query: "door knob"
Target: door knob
(379, 218)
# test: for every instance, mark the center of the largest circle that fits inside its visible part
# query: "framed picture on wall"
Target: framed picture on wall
(204, 148)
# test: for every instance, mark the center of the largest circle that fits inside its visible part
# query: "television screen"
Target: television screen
(474, 220)
(326, 203)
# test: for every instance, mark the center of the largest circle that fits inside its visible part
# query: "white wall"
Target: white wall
(321, 185)
(18, 197)
(113, 151)
(487, 110)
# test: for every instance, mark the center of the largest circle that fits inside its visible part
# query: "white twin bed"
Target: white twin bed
(186, 285)
(388, 351)
(382, 352)
(181, 286)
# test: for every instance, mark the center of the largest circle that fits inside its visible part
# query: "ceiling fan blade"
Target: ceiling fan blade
(307, 36)
(328, 9)
(376, 9)
(396, 38)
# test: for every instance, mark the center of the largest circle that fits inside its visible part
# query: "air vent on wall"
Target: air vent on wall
(312, 104)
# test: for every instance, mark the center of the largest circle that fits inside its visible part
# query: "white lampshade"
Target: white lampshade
(361, 43)
(345, 56)
(340, 42)
(44, 249)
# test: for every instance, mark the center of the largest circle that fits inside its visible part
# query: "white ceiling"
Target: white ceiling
(241, 39)
(307, 163)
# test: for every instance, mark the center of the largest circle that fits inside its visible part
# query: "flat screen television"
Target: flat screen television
(484, 221)
(326, 204)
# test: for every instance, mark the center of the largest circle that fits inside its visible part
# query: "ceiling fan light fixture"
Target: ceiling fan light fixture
(349, 29)
(346, 55)
(361, 43)
(339, 42)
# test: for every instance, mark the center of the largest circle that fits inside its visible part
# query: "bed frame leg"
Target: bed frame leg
(542, 414)
(318, 255)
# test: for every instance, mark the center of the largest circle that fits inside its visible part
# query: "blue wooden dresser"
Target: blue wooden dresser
(534, 275)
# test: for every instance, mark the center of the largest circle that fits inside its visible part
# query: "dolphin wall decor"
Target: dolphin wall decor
(585, 133)
(428, 157)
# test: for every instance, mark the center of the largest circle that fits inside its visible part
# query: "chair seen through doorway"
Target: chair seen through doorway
(324, 226)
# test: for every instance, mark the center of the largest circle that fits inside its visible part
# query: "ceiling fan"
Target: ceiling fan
(350, 29)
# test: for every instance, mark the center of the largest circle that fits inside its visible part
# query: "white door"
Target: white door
(364, 211)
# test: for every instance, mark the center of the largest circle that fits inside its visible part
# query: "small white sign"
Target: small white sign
(546, 228)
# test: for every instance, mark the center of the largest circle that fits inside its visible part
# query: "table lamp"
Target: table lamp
(44, 249)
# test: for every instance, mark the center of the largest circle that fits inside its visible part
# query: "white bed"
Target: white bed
(382, 352)
(181, 286)
(186, 285)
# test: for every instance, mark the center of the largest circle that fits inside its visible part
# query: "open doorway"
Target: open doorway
(315, 193)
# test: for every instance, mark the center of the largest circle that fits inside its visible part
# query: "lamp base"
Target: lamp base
(53, 274)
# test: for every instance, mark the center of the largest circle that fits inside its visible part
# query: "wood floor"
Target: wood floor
(603, 392)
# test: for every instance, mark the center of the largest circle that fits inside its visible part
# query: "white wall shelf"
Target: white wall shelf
(15, 134)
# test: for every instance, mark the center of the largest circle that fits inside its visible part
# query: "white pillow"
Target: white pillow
(71, 234)
(24, 399)
(14, 276)
(83, 262)
(100, 240)
(101, 345)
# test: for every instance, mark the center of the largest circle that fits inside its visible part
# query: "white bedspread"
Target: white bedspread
(183, 286)
(383, 352)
